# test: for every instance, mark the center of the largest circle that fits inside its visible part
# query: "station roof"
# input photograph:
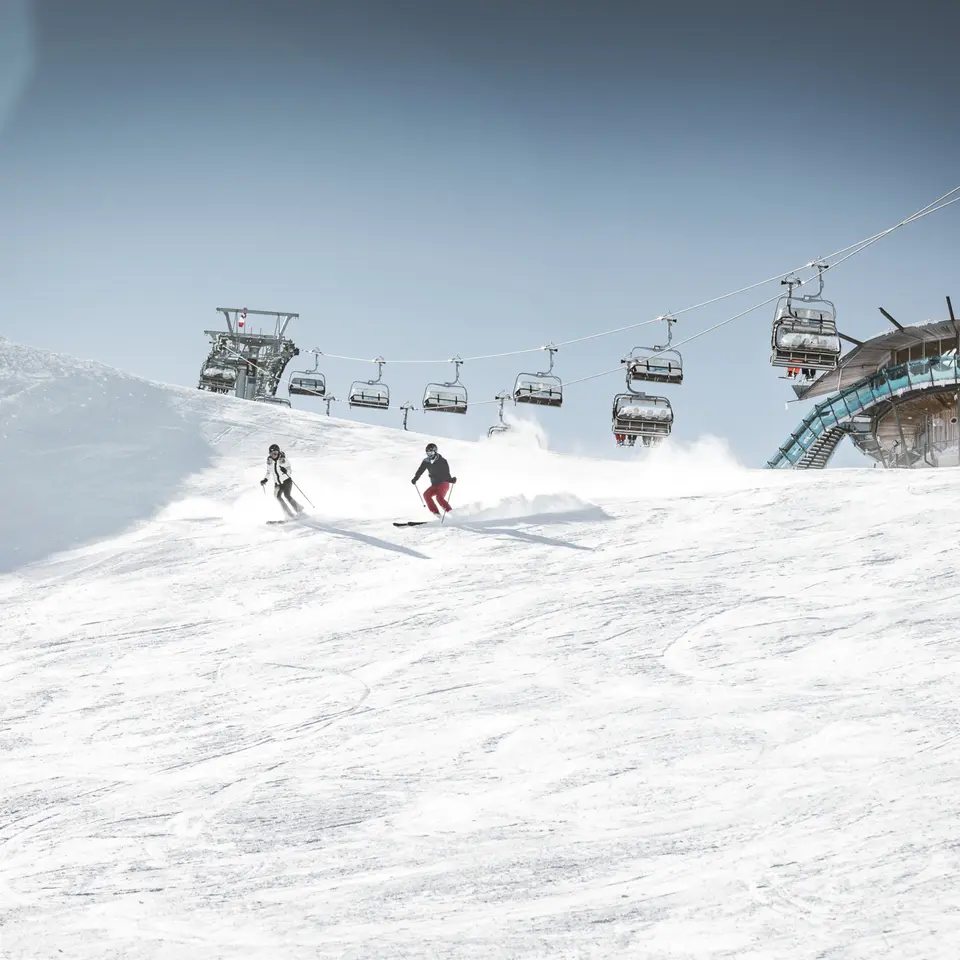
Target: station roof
(873, 354)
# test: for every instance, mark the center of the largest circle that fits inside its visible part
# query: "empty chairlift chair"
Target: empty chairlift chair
(370, 394)
(446, 397)
(653, 365)
(544, 388)
(804, 336)
(500, 427)
(308, 383)
(638, 415)
(657, 364)
(313, 385)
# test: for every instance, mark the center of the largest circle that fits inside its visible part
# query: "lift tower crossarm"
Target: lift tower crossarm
(283, 317)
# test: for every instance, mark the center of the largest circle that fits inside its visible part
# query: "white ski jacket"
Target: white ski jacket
(278, 470)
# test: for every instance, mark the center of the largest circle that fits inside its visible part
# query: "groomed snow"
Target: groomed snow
(666, 708)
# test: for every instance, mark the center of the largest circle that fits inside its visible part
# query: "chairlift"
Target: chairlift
(804, 336)
(657, 364)
(500, 427)
(446, 397)
(639, 415)
(219, 372)
(308, 383)
(370, 394)
(543, 388)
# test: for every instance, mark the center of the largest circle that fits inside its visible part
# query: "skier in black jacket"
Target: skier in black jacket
(440, 479)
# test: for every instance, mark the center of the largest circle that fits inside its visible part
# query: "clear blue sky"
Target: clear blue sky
(419, 179)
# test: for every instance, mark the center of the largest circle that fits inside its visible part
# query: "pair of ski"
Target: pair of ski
(416, 523)
(396, 523)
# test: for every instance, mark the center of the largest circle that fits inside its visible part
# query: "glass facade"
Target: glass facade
(927, 348)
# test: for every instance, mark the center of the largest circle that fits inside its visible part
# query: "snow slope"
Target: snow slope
(663, 709)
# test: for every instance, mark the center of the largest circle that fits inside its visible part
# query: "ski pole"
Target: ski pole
(305, 497)
(420, 495)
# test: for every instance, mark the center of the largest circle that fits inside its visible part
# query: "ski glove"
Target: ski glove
(413, 481)
(453, 479)
(263, 482)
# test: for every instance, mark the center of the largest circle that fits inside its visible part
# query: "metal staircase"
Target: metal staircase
(819, 454)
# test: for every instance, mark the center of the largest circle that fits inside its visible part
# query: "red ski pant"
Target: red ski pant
(438, 490)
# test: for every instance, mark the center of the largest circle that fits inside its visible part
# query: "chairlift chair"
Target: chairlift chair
(219, 373)
(370, 394)
(446, 397)
(313, 386)
(657, 364)
(804, 335)
(545, 389)
(500, 427)
(640, 415)
(308, 383)
(653, 365)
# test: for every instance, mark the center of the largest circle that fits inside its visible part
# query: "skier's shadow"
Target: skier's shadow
(362, 538)
(481, 527)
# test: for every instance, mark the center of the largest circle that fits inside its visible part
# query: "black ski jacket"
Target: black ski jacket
(439, 471)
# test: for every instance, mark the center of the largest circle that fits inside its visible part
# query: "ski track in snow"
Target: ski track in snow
(651, 714)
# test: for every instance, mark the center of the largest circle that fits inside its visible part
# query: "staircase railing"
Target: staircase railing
(839, 409)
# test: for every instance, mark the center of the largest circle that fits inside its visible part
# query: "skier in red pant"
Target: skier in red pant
(440, 479)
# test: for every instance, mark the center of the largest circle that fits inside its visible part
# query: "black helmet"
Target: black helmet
(274, 448)
(431, 448)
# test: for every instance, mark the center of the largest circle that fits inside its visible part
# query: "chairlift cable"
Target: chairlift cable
(930, 208)
(695, 336)
(854, 248)
(880, 236)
